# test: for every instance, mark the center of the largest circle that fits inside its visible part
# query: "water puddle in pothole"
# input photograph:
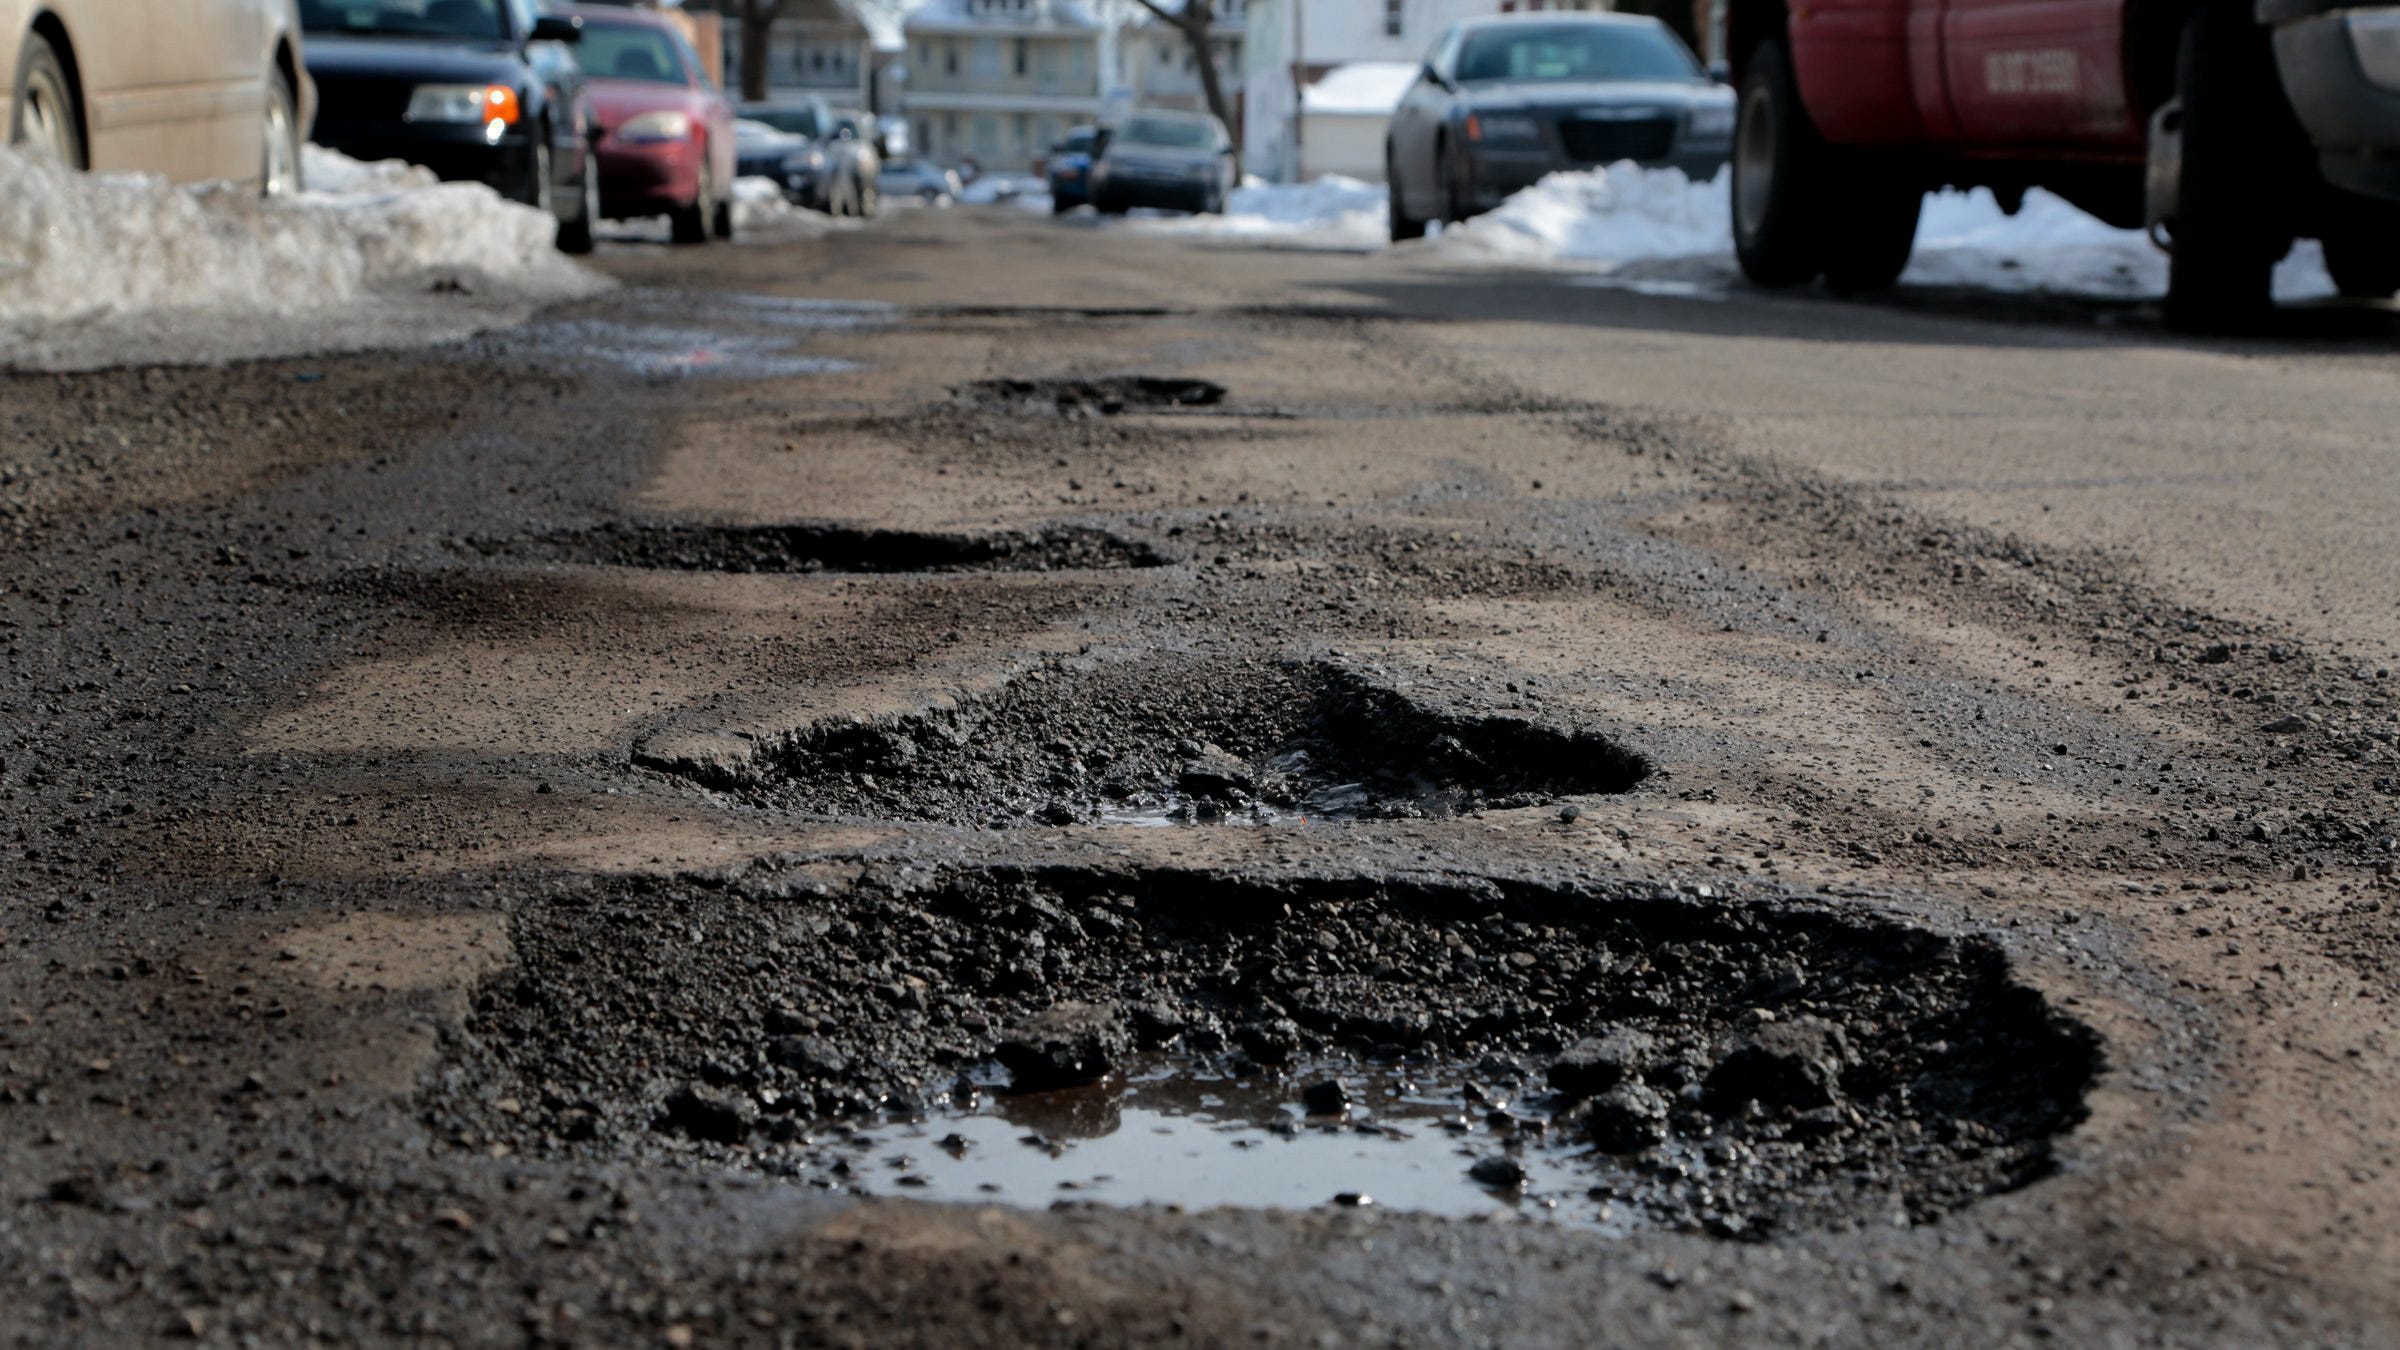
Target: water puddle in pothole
(743, 337)
(1175, 1133)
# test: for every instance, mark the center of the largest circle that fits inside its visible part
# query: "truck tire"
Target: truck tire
(1879, 228)
(1778, 180)
(2363, 263)
(2226, 232)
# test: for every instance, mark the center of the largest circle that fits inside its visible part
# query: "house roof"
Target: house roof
(999, 16)
(1360, 87)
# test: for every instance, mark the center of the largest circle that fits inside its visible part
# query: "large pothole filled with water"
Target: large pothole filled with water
(1619, 1057)
(1167, 740)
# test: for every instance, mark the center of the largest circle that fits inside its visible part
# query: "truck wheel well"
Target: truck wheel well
(50, 28)
(1747, 24)
(2153, 36)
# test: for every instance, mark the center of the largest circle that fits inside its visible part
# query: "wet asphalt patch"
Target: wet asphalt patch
(835, 548)
(1621, 1058)
(1164, 739)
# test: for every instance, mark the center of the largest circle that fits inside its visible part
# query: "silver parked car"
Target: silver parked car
(1502, 102)
(1177, 160)
(193, 89)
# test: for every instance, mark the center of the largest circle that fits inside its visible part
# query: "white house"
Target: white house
(1291, 44)
(999, 81)
(1343, 116)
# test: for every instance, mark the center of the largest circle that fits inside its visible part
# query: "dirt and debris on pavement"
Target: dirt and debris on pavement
(521, 842)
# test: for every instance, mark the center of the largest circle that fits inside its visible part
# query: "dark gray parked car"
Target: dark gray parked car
(1177, 160)
(1501, 102)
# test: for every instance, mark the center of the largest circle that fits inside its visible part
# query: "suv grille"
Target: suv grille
(1595, 141)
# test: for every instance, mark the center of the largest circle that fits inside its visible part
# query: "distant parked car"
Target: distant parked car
(795, 163)
(1177, 160)
(918, 179)
(1070, 169)
(105, 85)
(480, 91)
(1502, 102)
(847, 188)
(667, 143)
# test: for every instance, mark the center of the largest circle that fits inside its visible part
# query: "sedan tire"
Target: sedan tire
(279, 173)
(1404, 226)
(577, 236)
(42, 113)
(690, 224)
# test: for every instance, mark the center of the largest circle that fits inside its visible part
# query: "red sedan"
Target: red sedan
(666, 132)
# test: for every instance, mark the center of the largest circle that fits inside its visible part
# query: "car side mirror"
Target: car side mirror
(1721, 71)
(1438, 80)
(557, 28)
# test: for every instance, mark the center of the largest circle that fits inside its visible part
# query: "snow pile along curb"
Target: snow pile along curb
(116, 268)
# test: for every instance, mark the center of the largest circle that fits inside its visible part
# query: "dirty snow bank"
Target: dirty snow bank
(111, 269)
(1329, 212)
(1654, 229)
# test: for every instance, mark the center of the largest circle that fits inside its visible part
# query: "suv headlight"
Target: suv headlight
(653, 127)
(491, 105)
(1503, 129)
(1713, 121)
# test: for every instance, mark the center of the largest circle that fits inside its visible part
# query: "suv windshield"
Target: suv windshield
(1178, 135)
(798, 121)
(406, 18)
(624, 51)
(1574, 53)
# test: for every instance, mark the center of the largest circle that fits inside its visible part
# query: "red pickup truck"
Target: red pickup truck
(2229, 128)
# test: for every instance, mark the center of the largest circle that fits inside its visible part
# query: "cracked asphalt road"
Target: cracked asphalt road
(354, 706)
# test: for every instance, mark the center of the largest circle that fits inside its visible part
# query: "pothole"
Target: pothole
(1168, 741)
(837, 548)
(1103, 395)
(1621, 1059)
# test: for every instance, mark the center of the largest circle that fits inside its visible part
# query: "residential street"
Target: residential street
(1884, 814)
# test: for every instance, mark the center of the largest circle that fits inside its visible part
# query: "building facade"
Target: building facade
(998, 82)
(815, 47)
(1158, 69)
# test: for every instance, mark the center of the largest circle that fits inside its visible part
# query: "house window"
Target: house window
(1392, 17)
(925, 55)
(1079, 64)
(1045, 63)
(950, 58)
(987, 135)
(986, 62)
(1022, 58)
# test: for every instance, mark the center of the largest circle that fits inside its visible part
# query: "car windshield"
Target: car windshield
(1578, 53)
(1078, 142)
(625, 51)
(798, 121)
(406, 18)
(1172, 133)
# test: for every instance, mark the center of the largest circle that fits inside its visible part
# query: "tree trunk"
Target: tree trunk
(1213, 88)
(1193, 21)
(758, 21)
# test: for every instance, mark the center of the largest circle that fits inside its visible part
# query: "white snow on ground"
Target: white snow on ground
(1031, 193)
(112, 269)
(1360, 87)
(1654, 230)
(762, 214)
(1330, 212)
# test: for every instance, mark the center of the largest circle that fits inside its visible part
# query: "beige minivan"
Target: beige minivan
(193, 89)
